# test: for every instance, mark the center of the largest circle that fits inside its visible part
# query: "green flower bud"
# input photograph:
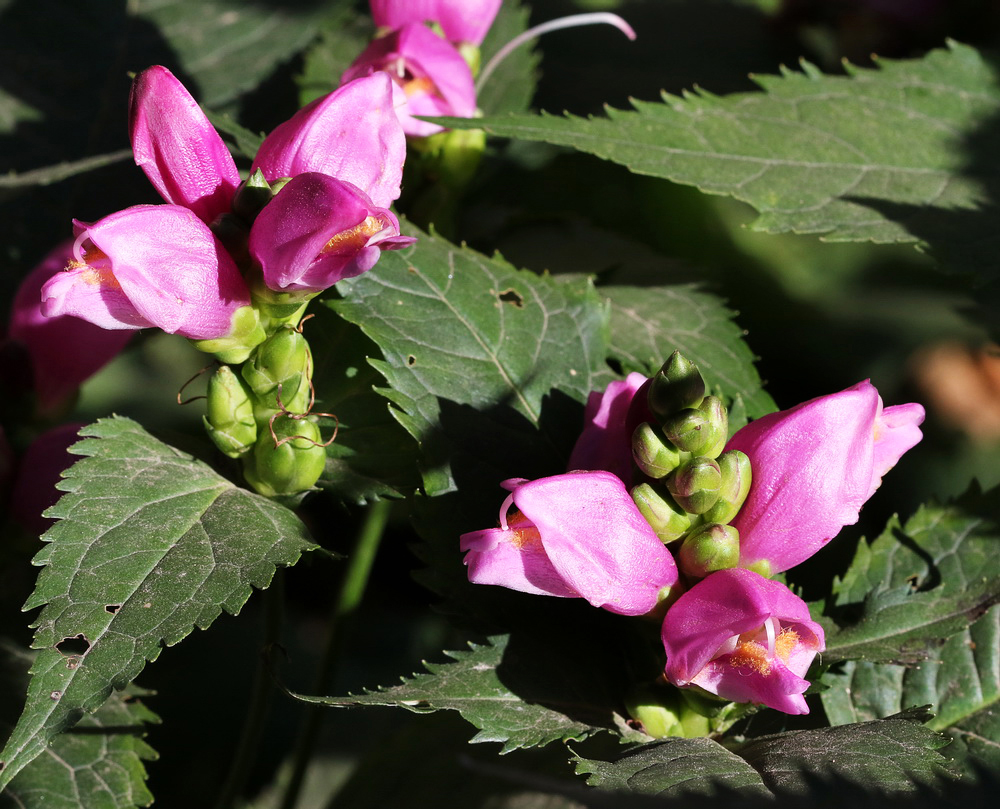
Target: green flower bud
(664, 516)
(656, 708)
(700, 431)
(709, 548)
(282, 360)
(695, 485)
(676, 386)
(229, 418)
(291, 467)
(251, 197)
(736, 477)
(652, 453)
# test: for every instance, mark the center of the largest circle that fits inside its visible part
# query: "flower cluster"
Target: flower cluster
(662, 514)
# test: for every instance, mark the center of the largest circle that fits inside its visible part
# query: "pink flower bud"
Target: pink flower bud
(460, 20)
(176, 146)
(606, 440)
(744, 638)
(149, 265)
(319, 230)
(351, 134)
(573, 535)
(430, 76)
(64, 350)
(814, 467)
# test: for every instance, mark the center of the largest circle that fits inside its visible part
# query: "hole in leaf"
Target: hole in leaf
(112, 608)
(411, 360)
(615, 366)
(74, 646)
(511, 296)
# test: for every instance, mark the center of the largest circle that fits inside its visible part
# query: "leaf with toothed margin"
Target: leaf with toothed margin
(149, 544)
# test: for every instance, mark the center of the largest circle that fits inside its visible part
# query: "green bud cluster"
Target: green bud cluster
(697, 488)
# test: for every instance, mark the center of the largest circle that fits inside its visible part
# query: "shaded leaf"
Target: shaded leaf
(951, 547)
(474, 686)
(149, 543)
(685, 766)
(879, 155)
(469, 341)
(918, 584)
(511, 86)
(648, 324)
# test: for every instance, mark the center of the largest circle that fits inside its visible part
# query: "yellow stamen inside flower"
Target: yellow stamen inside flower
(423, 84)
(786, 643)
(751, 655)
(356, 237)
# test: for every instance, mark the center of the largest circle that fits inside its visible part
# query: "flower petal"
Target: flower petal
(351, 134)
(606, 440)
(460, 20)
(177, 148)
(318, 230)
(597, 540)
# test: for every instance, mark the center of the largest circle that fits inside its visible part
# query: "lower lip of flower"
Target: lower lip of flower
(356, 237)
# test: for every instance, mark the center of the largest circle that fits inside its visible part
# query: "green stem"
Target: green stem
(260, 698)
(352, 590)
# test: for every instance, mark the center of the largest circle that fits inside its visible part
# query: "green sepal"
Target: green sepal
(288, 461)
(736, 479)
(279, 369)
(695, 484)
(668, 520)
(709, 548)
(229, 417)
(652, 453)
(246, 334)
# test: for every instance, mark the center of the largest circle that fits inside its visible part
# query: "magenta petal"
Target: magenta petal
(596, 538)
(812, 472)
(606, 440)
(512, 559)
(434, 77)
(460, 20)
(177, 148)
(160, 260)
(351, 134)
(64, 350)
(702, 639)
(319, 230)
(897, 430)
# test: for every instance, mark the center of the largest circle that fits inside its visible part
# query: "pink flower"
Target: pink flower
(176, 146)
(351, 134)
(814, 467)
(430, 76)
(460, 20)
(319, 230)
(40, 469)
(606, 440)
(744, 638)
(149, 265)
(576, 535)
(64, 350)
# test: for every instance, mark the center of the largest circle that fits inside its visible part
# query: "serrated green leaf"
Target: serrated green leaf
(341, 40)
(918, 584)
(473, 686)
(245, 142)
(941, 546)
(372, 455)
(883, 154)
(888, 757)
(648, 324)
(149, 543)
(473, 346)
(97, 764)
(677, 766)
(896, 755)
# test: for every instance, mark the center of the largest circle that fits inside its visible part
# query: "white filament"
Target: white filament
(505, 506)
(572, 21)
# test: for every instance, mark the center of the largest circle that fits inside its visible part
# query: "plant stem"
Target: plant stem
(352, 589)
(260, 698)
